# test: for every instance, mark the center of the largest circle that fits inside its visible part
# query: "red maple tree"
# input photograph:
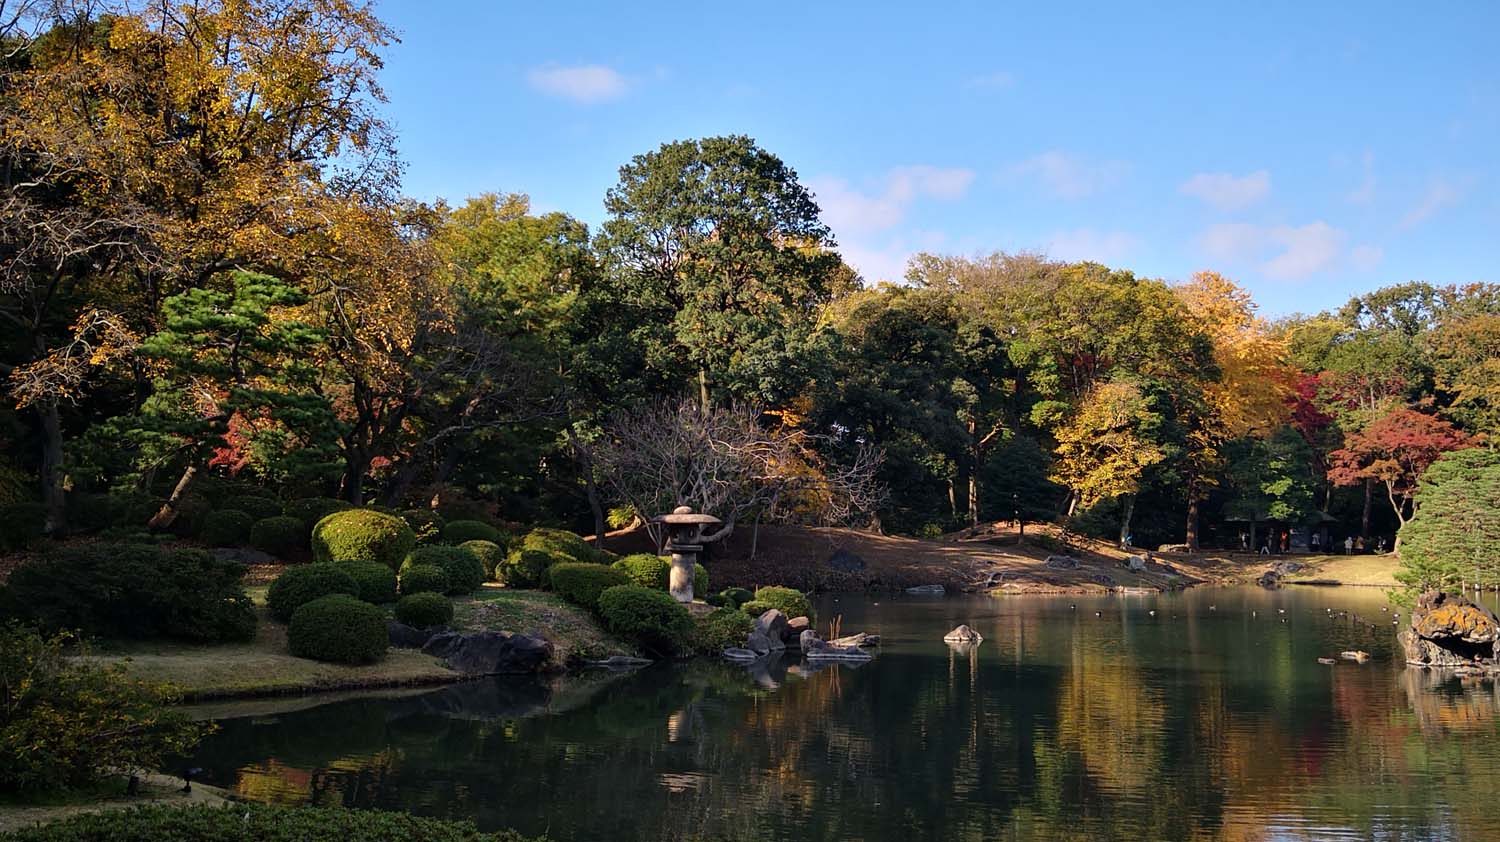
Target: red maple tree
(1395, 449)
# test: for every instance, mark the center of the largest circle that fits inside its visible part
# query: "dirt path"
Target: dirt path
(155, 789)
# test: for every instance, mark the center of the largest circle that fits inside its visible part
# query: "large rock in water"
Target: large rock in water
(1448, 630)
(772, 624)
(490, 652)
(963, 634)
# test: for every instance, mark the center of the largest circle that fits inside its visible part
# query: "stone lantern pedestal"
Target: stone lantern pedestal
(684, 542)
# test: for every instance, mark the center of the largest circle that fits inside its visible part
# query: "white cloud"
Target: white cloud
(998, 80)
(1283, 252)
(1366, 257)
(1229, 192)
(1091, 244)
(1439, 195)
(1069, 177)
(583, 83)
(849, 210)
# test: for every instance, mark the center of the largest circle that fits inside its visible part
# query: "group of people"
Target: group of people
(1282, 543)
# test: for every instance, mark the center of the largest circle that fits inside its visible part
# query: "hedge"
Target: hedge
(278, 535)
(423, 577)
(340, 629)
(526, 568)
(646, 570)
(373, 582)
(650, 618)
(426, 524)
(459, 531)
(489, 554)
(792, 602)
(463, 569)
(424, 610)
(564, 542)
(299, 585)
(720, 630)
(362, 535)
(226, 527)
(581, 584)
(249, 822)
(736, 596)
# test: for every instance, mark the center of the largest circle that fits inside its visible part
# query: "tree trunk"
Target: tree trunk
(1125, 518)
(1192, 522)
(356, 464)
(406, 475)
(974, 497)
(1364, 518)
(755, 535)
(703, 390)
(590, 487)
(167, 514)
(952, 499)
(52, 471)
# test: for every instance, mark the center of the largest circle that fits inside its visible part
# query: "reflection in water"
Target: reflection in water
(1187, 724)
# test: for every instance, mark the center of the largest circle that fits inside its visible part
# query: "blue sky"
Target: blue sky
(1309, 150)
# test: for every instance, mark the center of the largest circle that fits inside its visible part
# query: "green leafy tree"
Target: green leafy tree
(1450, 541)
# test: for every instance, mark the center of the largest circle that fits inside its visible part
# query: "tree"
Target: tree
(1450, 540)
(1104, 450)
(1395, 450)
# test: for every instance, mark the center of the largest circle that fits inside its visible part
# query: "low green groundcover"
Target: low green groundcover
(255, 823)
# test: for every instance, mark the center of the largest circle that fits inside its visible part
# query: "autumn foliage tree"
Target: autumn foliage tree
(1395, 450)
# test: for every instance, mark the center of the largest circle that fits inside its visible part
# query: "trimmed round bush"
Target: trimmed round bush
(525, 568)
(717, 600)
(737, 596)
(299, 585)
(362, 535)
(373, 581)
(464, 571)
(426, 524)
(226, 528)
(277, 535)
(650, 618)
(259, 508)
(340, 629)
(459, 531)
(581, 583)
(792, 602)
(646, 570)
(720, 630)
(425, 610)
(423, 577)
(310, 510)
(489, 554)
(561, 541)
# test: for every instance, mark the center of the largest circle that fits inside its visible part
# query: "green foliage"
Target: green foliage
(755, 608)
(792, 602)
(227, 527)
(192, 510)
(65, 723)
(338, 628)
(278, 535)
(21, 525)
(87, 512)
(700, 580)
(646, 570)
(459, 531)
(420, 578)
(362, 535)
(424, 609)
(489, 554)
(720, 630)
(131, 591)
(527, 568)
(736, 597)
(249, 822)
(373, 582)
(1452, 539)
(463, 570)
(561, 541)
(647, 617)
(259, 507)
(299, 585)
(310, 510)
(581, 583)
(619, 517)
(426, 524)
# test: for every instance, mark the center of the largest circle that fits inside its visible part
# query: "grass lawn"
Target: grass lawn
(16, 814)
(574, 632)
(1365, 569)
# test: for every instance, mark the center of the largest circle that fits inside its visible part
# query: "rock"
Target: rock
(930, 590)
(740, 655)
(1359, 656)
(1103, 579)
(1136, 563)
(838, 653)
(244, 555)
(1420, 652)
(856, 640)
(1441, 616)
(1061, 562)
(1172, 548)
(963, 634)
(772, 624)
(810, 642)
(762, 643)
(490, 652)
(795, 627)
(618, 662)
(1269, 579)
(846, 561)
(408, 637)
(1287, 568)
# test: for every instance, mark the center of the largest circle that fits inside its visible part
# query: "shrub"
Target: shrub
(462, 568)
(755, 608)
(338, 628)
(717, 600)
(792, 602)
(561, 541)
(277, 535)
(525, 568)
(21, 525)
(191, 511)
(255, 823)
(646, 570)
(461, 509)
(310, 510)
(426, 524)
(362, 535)
(87, 512)
(299, 585)
(133, 508)
(737, 596)
(259, 507)
(619, 517)
(373, 581)
(67, 723)
(459, 531)
(581, 583)
(650, 618)
(131, 591)
(719, 630)
(489, 554)
(425, 609)
(700, 580)
(423, 577)
(227, 527)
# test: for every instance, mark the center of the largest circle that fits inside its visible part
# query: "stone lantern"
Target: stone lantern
(684, 542)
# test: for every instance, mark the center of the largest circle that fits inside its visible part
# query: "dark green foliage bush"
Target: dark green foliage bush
(425, 609)
(66, 723)
(362, 535)
(338, 628)
(87, 512)
(564, 542)
(423, 577)
(461, 509)
(700, 581)
(191, 511)
(581, 583)
(489, 554)
(647, 617)
(737, 596)
(259, 507)
(462, 568)
(131, 591)
(526, 568)
(132, 509)
(646, 570)
(755, 608)
(277, 535)
(719, 630)
(717, 600)
(299, 585)
(792, 602)
(21, 525)
(226, 527)
(310, 510)
(426, 524)
(254, 823)
(459, 531)
(373, 581)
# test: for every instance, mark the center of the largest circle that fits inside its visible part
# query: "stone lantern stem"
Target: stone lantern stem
(684, 556)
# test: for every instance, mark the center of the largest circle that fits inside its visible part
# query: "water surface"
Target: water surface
(1211, 719)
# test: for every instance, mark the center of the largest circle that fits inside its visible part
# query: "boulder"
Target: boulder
(1441, 616)
(1103, 579)
(490, 652)
(856, 640)
(963, 634)
(739, 655)
(772, 624)
(929, 590)
(846, 561)
(1136, 563)
(1420, 652)
(1061, 562)
(1287, 568)
(795, 627)
(809, 641)
(408, 637)
(1269, 579)
(762, 643)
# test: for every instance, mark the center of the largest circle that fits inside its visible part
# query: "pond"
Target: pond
(1076, 718)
